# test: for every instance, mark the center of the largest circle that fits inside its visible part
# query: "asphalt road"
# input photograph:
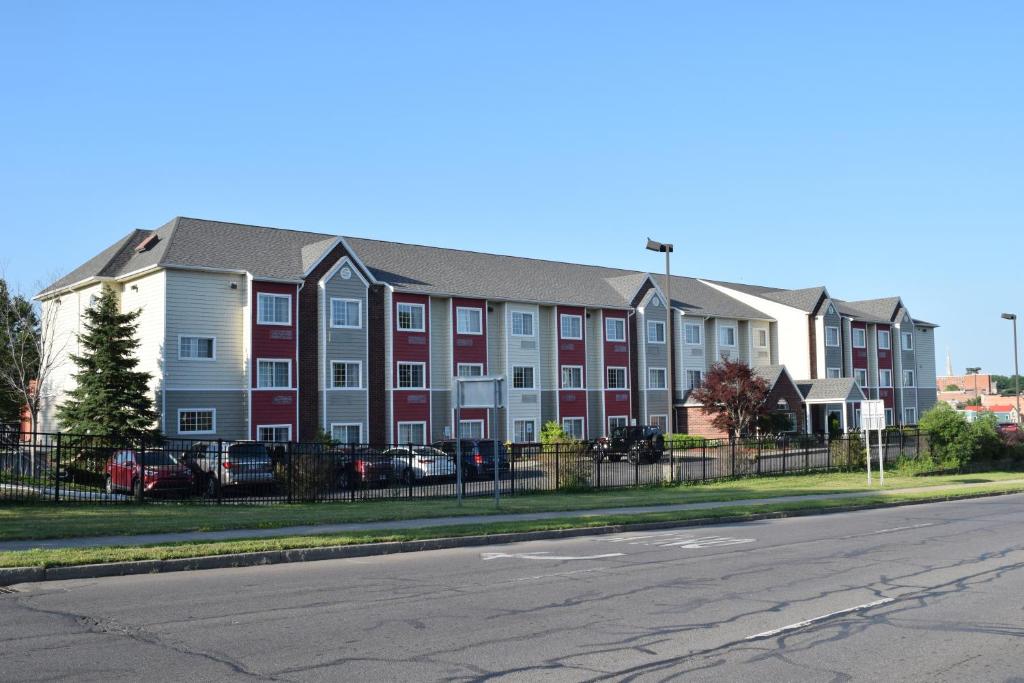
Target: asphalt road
(930, 592)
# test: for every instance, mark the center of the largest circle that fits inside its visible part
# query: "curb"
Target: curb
(17, 575)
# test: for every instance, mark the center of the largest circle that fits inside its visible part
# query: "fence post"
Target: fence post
(760, 443)
(597, 464)
(732, 456)
(807, 453)
(557, 466)
(289, 471)
(220, 458)
(412, 475)
(56, 472)
(141, 471)
(511, 468)
(703, 459)
(351, 465)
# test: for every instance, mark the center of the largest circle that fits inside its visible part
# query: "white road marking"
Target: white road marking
(903, 528)
(545, 556)
(548, 576)
(676, 539)
(808, 622)
(706, 542)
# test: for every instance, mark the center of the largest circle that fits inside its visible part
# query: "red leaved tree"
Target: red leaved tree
(734, 395)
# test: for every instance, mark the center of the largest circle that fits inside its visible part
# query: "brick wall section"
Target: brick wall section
(784, 389)
(693, 420)
(376, 373)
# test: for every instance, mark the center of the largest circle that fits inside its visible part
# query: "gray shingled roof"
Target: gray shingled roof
(839, 389)
(696, 298)
(770, 373)
(883, 310)
(805, 299)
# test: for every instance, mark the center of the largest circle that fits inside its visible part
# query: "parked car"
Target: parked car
(351, 466)
(160, 473)
(640, 443)
(421, 463)
(242, 464)
(601, 449)
(477, 457)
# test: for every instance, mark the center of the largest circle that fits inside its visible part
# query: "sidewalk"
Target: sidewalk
(324, 529)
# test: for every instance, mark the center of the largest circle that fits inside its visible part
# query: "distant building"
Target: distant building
(1005, 414)
(973, 384)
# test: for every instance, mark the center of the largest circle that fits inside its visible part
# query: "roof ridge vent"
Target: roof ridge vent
(147, 244)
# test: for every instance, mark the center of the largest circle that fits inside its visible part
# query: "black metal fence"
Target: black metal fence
(93, 469)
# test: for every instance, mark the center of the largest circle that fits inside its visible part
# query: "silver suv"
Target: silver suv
(242, 463)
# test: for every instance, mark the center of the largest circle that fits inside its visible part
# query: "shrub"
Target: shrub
(312, 475)
(954, 440)
(564, 459)
(681, 441)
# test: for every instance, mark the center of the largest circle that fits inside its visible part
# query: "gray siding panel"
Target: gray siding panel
(441, 370)
(231, 407)
(833, 354)
(344, 406)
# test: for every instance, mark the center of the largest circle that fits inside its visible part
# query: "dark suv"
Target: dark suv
(640, 443)
(477, 458)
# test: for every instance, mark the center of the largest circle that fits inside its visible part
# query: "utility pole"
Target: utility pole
(1016, 370)
(669, 386)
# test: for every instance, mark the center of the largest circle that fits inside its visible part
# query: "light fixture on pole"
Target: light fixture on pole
(1016, 370)
(974, 371)
(667, 250)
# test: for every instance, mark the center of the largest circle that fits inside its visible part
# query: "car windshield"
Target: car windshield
(430, 452)
(620, 433)
(158, 459)
(248, 450)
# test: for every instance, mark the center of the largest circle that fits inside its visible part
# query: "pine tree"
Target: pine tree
(111, 396)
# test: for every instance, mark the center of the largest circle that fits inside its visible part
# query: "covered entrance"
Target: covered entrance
(831, 404)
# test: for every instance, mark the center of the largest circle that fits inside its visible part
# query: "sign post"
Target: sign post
(872, 417)
(479, 392)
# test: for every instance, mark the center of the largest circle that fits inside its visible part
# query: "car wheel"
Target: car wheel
(108, 485)
(408, 477)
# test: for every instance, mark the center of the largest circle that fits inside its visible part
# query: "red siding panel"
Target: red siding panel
(278, 342)
(617, 354)
(411, 405)
(470, 348)
(572, 403)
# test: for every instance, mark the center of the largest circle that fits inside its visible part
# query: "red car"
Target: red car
(161, 474)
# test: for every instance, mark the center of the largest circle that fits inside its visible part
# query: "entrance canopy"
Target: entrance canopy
(840, 392)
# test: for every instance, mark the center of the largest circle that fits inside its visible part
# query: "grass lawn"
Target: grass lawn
(75, 556)
(42, 521)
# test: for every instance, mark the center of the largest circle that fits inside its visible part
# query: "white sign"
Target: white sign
(872, 415)
(480, 392)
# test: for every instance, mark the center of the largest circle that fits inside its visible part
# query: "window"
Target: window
(910, 416)
(524, 431)
(197, 348)
(572, 376)
(761, 339)
(656, 378)
(727, 336)
(616, 378)
(883, 339)
(694, 378)
(346, 433)
(412, 376)
(274, 433)
(412, 433)
(470, 370)
(411, 317)
(660, 421)
(691, 333)
(571, 326)
(885, 378)
(831, 336)
(860, 338)
(908, 378)
(908, 341)
(616, 422)
(197, 421)
(471, 429)
(522, 324)
(273, 309)
(861, 375)
(833, 373)
(655, 332)
(522, 377)
(615, 329)
(273, 374)
(573, 426)
(888, 416)
(346, 374)
(347, 313)
(469, 321)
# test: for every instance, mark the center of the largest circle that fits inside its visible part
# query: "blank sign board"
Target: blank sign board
(872, 415)
(480, 392)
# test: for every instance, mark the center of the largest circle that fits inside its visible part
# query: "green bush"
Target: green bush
(848, 453)
(955, 441)
(681, 441)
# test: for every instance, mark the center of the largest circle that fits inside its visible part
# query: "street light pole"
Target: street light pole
(1016, 370)
(667, 250)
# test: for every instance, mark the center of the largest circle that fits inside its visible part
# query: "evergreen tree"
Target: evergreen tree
(111, 396)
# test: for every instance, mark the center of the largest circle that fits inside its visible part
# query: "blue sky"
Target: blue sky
(874, 147)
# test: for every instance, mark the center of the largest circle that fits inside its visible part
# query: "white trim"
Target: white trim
(298, 331)
(700, 334)
(853, 337)
(583, 425)
(398, 317)
(735, 335)
(205, 390)
(664, 333)
(625, 375)
(757, 335)
(531, 420)
(346, 361)
(247, 329)
(341, 263)
(483, 428)
(285, 426)
(864, 384)
(274, 360)
(889, 414)
(561, 326)
(459, 366)
(398, 431)
(259, 308)
(400, 363)
(884, 386)
(608, 422)
(605, 321)
(512, 376)
(838, 337)
(687, 384)
(664, 372)
(213, 421)
(888, 339)
(213, 348)
(913, 377)
(479, 310)
(838, 373)
(561, 377)
(650, 420)
(358, 425)
(347, 300)
(912, 409)
(512, 312)
(903, 338)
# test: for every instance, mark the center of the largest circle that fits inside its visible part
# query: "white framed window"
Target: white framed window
(572, 376)
(471, 429)
(617, 378)
(273, 309)
(414, 433)
(469, 320)
(885, 378)
(860, 338)
(570, 326)
(908, 378)
(274, 433)
(833, 373)
(831, 336)
(888, 417)
(856, 418)
(346, 313)
(727, 336)
(524, 431)
(655, 332)
(197, 348)
(273, 373)
(883, 339)
(615, 329)
(908, 340)
(522, 377)
(197, 421)
(861, 376)
(616, 421)
(412, 375)
(694, 378)
(347, 432)
(656, 378)
(411, 317)
(469, 370)
(910, 416)
(346, 374)
(692, 333)
(522, 324)
(573, 426)
(659, 421)
(761, 338)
